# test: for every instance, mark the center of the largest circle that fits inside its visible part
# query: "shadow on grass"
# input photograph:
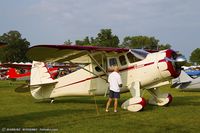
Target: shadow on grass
(75, 100)
(18, 121)
(101, 102)
(186, 100)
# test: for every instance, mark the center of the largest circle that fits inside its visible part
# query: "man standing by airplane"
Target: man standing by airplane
(115, 83)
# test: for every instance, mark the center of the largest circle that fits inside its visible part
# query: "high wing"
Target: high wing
(64, 53)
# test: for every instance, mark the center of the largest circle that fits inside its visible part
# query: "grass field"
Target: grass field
(19, 111)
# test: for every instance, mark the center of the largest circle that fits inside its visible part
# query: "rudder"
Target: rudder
(40, 74)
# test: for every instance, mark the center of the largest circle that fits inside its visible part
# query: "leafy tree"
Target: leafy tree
(2, 44)
(85, 41)
(195, 56)
(68, 42)
(164, 46)
(15, 49)
(104, 39)
(143, 42)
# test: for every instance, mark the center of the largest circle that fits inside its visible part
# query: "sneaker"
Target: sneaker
(107, 110)
(115, 111)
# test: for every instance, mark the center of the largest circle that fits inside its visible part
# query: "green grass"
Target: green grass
(78, 114)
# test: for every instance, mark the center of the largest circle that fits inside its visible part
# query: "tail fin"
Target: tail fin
(40, 74)
(182, 79)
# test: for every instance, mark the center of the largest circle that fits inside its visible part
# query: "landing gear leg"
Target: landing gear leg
(136, 103)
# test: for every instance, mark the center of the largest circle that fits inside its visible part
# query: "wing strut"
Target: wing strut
(97, 64)
(101, 69)
(87, 70)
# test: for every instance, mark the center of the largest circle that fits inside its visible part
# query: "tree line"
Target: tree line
(16, 46)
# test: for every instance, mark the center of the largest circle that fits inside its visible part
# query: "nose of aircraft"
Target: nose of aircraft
(177, 60)
(180, 60)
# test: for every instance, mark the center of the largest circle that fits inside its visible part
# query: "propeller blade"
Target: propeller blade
(139, 53)
(178, 59)
(169, 59)
(181, 58)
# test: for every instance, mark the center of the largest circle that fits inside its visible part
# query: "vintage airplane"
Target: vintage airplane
(17, 71)
(139, 69)
(187, 81)
(3, 72)
(22, 71)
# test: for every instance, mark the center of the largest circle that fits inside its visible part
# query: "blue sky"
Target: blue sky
(176, 22)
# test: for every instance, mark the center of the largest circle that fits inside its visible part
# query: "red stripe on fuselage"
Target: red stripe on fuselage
(121, 70)
(163, 60)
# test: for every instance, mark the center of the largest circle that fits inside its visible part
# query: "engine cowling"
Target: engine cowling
(171, 64)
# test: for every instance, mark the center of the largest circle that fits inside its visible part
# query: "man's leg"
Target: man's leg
(115, 105)
(108, 104)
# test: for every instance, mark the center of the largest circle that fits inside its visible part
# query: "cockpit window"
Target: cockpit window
(122, 60)
(113, 62)
(131, 58)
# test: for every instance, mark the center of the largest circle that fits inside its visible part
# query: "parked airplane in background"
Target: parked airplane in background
(17, 71)
(187, 81)
(139, 69)
(21, 71)
(193, 72)
(3, 72)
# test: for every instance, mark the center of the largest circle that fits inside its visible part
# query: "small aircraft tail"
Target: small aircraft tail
(181, 80)
(40, 74)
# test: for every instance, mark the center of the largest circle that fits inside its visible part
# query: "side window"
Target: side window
(122, 60)
(98, 69)
(113, 62)
(131, 58)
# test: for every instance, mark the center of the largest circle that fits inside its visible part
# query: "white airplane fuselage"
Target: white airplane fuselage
(151, 72)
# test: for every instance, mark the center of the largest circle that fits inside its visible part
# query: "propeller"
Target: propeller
(177, 60)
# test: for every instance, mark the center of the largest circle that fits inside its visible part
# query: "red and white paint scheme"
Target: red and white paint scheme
(22, 71)
(140, 70)
(18, 71)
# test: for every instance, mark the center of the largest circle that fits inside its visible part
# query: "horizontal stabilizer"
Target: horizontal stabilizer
(174, 85)
(180, 85)
(45, 83)
(184, 84)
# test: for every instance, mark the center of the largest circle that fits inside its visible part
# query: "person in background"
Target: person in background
(115, 83)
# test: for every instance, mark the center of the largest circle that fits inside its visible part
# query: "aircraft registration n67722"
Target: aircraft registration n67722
(139, 69)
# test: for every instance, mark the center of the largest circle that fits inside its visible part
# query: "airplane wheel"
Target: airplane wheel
(137, 107)
(163, 100)
(170, 99)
